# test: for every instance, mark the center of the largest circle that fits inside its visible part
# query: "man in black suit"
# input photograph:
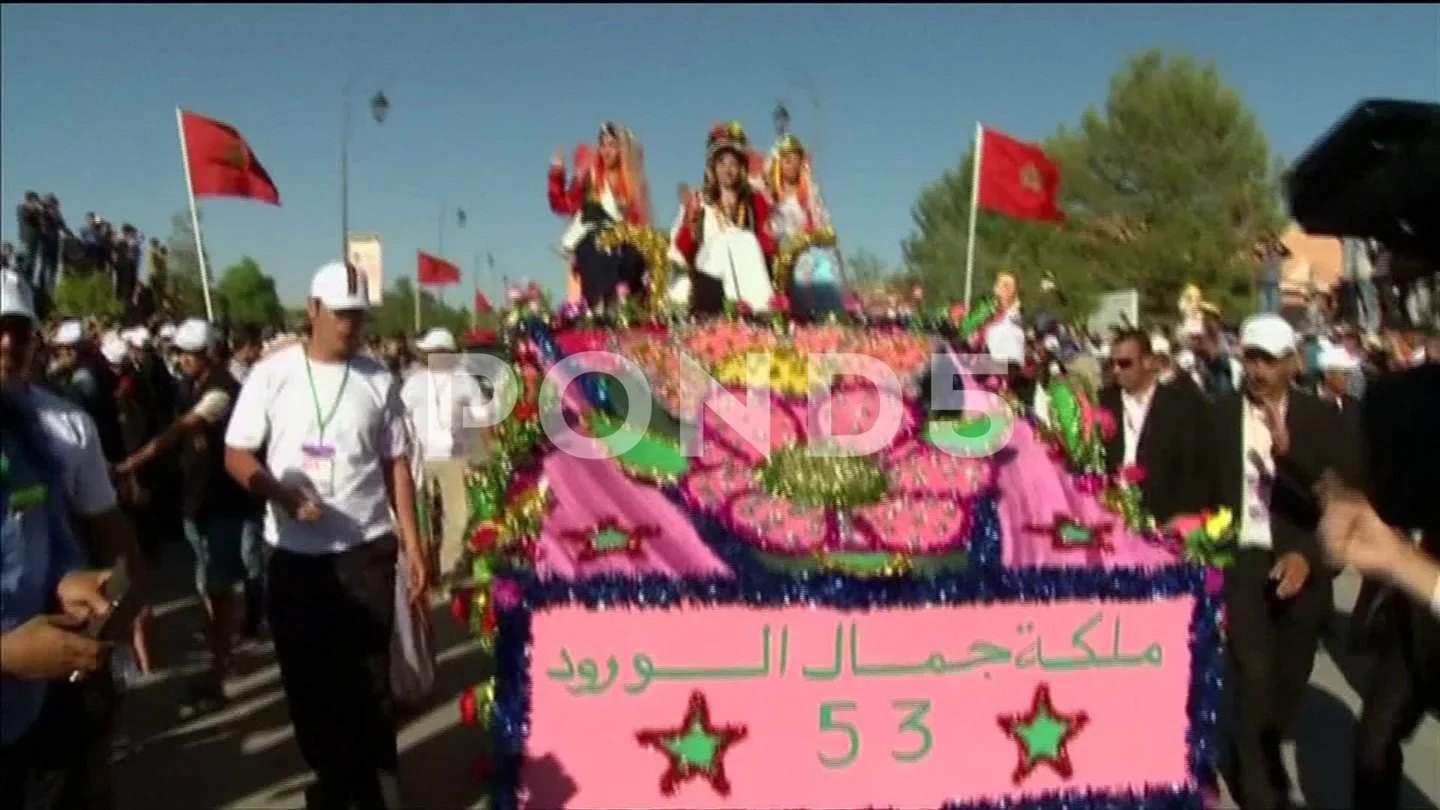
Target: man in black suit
(1272, 442)
(1160, 428)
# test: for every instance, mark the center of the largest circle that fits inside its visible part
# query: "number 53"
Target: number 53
(913, 723)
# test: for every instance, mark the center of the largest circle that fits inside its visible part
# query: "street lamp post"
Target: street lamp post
(781, 117)
(814, 93)
(379, 108)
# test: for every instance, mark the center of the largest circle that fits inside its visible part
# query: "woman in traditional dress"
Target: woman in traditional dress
(722, 235)
(608, 188)
(798, 213)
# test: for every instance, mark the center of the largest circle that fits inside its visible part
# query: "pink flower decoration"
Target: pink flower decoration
(1106, 422)
(925, 509)
(512, 293)
(506, 592)
(1133, 474)
(622, 291)
(1214, 581)
(957, 312)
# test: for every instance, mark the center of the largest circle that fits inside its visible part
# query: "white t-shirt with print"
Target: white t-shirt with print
(77, 443)
(276, 410)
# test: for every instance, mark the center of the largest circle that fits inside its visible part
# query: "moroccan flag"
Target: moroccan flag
(1017, 178)
(221, 163)
(482, 304)
(433, 271)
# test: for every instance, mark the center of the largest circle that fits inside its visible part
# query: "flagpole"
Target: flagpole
(974, 210)
(194, 216)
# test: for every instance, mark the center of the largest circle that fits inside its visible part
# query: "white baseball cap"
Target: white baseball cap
(68, 333)
(194, 335)
(1335, 358)
(139, 337)
(436, 340)
(1005, 342)
(1268, 333)
(339, 286)
(15, 297)
(112, 346)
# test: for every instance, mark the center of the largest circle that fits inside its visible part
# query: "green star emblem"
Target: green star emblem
(696, 748)
(1042, 736)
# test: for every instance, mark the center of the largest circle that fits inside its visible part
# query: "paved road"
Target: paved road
(245, 756)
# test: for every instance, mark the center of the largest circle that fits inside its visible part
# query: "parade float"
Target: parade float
(709, 595)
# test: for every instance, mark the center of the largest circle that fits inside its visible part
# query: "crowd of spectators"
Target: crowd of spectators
(46, 248)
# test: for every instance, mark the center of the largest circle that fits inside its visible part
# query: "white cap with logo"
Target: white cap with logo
(15, 297)
(339, 287)
(1268, 333)
(192, 336)
(436, 340)
(69, 333)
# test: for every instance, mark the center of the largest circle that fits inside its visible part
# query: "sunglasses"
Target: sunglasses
(1123, 362)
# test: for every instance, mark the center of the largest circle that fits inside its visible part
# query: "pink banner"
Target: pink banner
(737, 707)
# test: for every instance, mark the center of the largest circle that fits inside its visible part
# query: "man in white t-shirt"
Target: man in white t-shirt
(448, 412)
(336, 469)
(105, 538)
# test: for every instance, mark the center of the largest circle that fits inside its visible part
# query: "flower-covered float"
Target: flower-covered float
(772, 576)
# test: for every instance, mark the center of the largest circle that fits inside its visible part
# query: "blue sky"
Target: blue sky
(482, 95)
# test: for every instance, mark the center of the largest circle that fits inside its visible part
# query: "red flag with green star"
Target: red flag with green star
(220, 163)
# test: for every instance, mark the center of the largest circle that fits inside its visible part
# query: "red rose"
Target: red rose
(484, 537)
(1133, 474)
(780, 303)
(743, 308)
(488, 621)
(460, 606)
(469, 707)
(525, 411)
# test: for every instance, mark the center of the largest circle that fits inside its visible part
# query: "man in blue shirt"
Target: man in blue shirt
(46, 595)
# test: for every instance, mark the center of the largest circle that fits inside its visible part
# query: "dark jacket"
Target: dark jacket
(1174, 449)
(1319, 441)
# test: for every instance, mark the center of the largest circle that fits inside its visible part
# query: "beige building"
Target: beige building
(1312, 263)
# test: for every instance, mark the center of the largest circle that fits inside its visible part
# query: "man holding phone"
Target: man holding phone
(50, 463)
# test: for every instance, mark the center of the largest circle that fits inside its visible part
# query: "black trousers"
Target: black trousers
(62, 762)
(1404, 684)
(331, 617)
(1272, 644)
(601, 272)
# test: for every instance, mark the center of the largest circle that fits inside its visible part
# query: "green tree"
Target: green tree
(864, 269)
(396, 312)
(183, 295)
(83, 295)
(1171, 183)
(249, 295)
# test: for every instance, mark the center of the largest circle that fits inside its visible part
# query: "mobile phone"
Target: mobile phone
(125, 606)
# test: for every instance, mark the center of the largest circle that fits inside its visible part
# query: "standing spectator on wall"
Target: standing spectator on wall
(7, 255)
(52, 230)
(29, 216)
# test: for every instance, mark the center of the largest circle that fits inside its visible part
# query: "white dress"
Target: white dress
(729, 254)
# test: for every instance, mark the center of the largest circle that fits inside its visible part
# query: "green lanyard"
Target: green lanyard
(321, 422)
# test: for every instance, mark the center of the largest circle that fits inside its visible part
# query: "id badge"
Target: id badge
(317, 461)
